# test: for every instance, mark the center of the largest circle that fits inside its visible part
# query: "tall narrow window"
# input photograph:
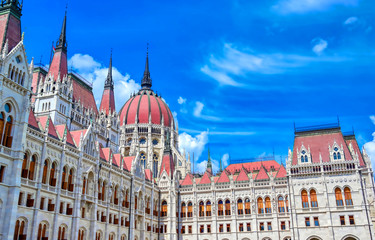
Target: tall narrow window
(42, 231)
(70, 181)
(220, 208)
(183, 210)
(103, 192)
(45, 172)
(201, 209)
(190, 209)
(7, 141)
(32, 168)
(227, 207)
(208, 208)
(61, 234)
(247, 206)
(305, 199)
(84, 185)
(24, 171)
(52, 179)
(348, 197)
(156, 163)
(338, 194)
(281, 204)
(239, 207)
(260, 206)
(63, 183)
(164, 209)
(268, 205)
(136, 202)
(313, 198)
(287, 203)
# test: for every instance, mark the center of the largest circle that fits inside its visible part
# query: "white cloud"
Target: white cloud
(305, 6)
(232, 66)
(370, 146)
(202, 166)
(351, 20)
(96, 73)
(181, 100)
(319, 45)
(198, 109)
(193, 144)
(373, 119)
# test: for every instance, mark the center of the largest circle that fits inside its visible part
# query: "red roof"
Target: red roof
(262, 175)
(51, 128)
(146, 104)
(108, 101)
(242, 176)
(116, 159)
(59, 65)
(251, 166)
(281, 173)
(354, 143)
(107, 154)
(32, 120)
(85, 95)
(319, 145)
(167, 164)
(61, 130)
(77, 135)
(223, 178)
(128, 162)
(188, 180)
(10, 29)
(206, 179)
(148, 174)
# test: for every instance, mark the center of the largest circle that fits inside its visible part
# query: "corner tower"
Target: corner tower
(10, 22)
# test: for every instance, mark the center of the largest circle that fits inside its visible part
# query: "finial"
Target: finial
(23, 36)
(146, 80)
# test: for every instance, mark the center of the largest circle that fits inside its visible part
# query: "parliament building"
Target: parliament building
(72, 170)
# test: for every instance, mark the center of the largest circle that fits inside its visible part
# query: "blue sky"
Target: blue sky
(237, 74)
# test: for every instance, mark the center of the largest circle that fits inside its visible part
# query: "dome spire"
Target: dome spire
(61, 44)
(146, 80)
(109, 81)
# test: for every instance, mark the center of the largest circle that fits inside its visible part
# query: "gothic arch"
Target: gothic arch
(314, 237)
(350, 237)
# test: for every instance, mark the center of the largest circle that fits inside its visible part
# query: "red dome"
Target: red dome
(144, 104)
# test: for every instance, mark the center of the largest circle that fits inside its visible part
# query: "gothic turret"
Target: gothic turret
(146, 80)
(108, 99)
(209, 163)
(10, 23)
(59, 65)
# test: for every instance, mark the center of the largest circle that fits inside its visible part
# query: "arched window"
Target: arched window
(136, 202)
(63, 182)
(208, 208)
(32, 168)
(247, 206)
(280, 204)
(164, 208)
(156, 163)
(305, 199)
(42, 231)
(52, 179)
(190, 209)
(143, 159)
(123, 237)
(84, 185)
(61, 235)
(220, 209)
(45, 172)
(348, 197)
(24, 171)
(126, 199)
(70, 181)
(227, 207)
(2, 117)
(287, 203)
(98, 236)
(334, 156)
(239, 206)
(183, 210)
(20, 230)
(7, 140)
(201, 209)
(338, 155)
(260, 206)
(268, 205)
(103, 191)
(111, 236)
(338, 195)
(313, 198)
(115, 197)
(81, 234)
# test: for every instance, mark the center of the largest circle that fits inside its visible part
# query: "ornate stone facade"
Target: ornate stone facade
(69, 170)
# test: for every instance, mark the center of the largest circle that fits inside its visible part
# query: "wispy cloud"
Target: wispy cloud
(223, 133)
(319, 46)
(96, 73)
(370, 146)
(181, 100)
(198, 112)
(306, 6)
(234, 64)
(193, 144)
(351, 20)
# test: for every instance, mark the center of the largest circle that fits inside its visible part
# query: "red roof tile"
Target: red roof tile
(319, 145)
(167, 164)
(32, 121)
(206, 179)
(281, 173)
(128, 162)
(116, 159)
(242, 176)
(85, 95)
(354, 143)
(77, 135)
(59, 65)
(223, 178)
(108, 101)
(148, 174)
(262, 175)
(251, 166)
(107, 154)
(188, 180)
(51, 128)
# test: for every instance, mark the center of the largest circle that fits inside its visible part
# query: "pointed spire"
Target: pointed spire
(109, 81)
(61, 43)
(146, 80)
(209, 164)
(221, 165)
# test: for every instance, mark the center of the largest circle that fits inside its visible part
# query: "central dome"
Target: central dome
(145, 106)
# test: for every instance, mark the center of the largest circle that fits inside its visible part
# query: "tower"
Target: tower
(10, 23)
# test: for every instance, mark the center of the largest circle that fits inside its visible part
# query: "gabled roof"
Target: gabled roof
(32, 121)
(117, 159)
(242, 176)
(108, 102)
(188, 180)
(77, 135)
(85, 95)
(128, 162)
(107, 154)
(101, 152)
(223, 177)
(167, 164)
(148, 174)
(262, 175)
(206, 179)
(251, 166)
(281, 173)
(45, 121)
(61, 130)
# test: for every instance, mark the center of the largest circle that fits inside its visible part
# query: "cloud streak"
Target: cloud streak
(306, 6)
(319, 46)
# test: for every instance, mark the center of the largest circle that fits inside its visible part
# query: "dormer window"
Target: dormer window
(304, 158)
(336, 154)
